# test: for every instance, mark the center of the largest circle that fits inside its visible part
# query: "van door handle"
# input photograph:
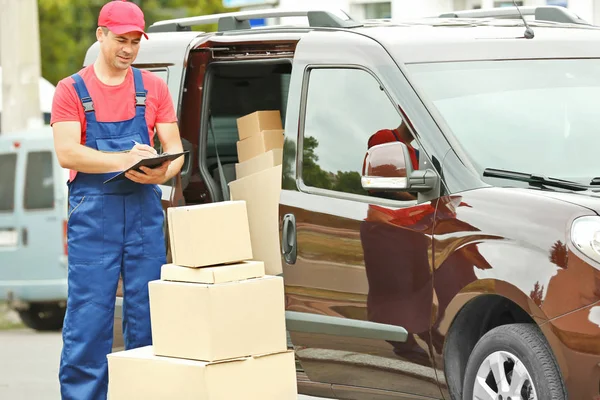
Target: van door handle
(24, 236)
(288, 239)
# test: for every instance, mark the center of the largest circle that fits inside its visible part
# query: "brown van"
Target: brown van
(439, 211)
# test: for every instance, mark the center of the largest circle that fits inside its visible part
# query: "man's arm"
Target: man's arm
(168, 134)
(73, 155)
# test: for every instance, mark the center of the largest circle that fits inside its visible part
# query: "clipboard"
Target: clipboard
(151, 162)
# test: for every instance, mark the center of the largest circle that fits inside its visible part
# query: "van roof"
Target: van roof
(463, 36)
(448, 40)
(44, 133)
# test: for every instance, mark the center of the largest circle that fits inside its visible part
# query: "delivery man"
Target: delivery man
(103, 120)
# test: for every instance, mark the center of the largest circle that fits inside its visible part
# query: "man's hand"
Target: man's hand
(155, 176)
(139, 152)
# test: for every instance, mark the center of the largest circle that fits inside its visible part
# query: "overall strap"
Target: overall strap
(140, 91)
(140, 103)
(84, 96)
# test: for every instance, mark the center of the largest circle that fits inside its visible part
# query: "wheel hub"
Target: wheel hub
(502, 376)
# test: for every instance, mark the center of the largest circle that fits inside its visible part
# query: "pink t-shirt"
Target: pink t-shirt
(113, 103)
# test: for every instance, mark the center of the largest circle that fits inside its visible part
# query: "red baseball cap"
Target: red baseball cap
(381, 137)
(122, 16)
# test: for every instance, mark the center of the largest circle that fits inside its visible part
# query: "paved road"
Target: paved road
(29, 365)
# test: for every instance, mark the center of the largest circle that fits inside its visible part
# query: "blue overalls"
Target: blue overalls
(114, 228)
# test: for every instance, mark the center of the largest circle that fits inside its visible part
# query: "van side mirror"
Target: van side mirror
(388, 168)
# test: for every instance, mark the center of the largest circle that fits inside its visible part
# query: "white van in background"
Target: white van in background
(33, 218)
(33, 215)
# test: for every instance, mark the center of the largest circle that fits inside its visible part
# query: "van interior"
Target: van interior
(232, 89)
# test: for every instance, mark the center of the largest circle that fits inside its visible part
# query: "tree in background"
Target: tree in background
(312, 174)
(67, 28)
(349, 182)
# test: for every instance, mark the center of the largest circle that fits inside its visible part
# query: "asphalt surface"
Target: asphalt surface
(29, 365)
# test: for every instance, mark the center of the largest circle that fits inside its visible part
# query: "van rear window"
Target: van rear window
(8, 164)
(39, 182)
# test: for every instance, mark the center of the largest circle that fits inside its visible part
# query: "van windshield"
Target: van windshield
(8, 163)
(532, 116)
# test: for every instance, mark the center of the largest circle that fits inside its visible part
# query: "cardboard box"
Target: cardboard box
(258, 144)
(209, 234)
(261, 193)
(218, 274)
(253, 124)
(217, 322)
(139, 374)
(270, 159)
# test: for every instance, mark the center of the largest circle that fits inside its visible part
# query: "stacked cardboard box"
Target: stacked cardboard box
(218, 322)
(258, 182)
(259, 132)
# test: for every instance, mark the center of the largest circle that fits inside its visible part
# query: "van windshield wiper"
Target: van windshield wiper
(534, 179)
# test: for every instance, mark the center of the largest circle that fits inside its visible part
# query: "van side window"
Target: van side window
(8, 167)
(39, 182)
(345, 108)
(162, 73)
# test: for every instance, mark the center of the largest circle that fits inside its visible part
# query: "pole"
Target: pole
(20, 61)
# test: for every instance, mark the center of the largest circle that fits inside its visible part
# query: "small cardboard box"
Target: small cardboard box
(253, 124)
(261, 193)
(258, 144)
(139, 374)
(218, 274)
(218, 322)
(263, 161)
(209, 234)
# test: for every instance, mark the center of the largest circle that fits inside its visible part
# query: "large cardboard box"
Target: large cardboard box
(218, 274)
(261, 193)
(263, 161)
(139, 374)
(217, 322)
(253, 124)
(258, 144)
(209, 234)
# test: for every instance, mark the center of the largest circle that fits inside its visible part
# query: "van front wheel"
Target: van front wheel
(43, 317)
(513, 362)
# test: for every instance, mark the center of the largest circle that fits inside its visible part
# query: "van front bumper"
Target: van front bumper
(33, 291)
(575, 341)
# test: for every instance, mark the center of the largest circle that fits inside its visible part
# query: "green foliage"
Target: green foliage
(349, 182)
(68, 28)
(313, 175)
(289, 167)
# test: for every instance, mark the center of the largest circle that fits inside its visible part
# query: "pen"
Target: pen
(136, 143)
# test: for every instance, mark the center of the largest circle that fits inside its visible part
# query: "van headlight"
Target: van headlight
(585, 235)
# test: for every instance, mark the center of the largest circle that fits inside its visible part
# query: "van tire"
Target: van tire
(523, 343)
(43, 317)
